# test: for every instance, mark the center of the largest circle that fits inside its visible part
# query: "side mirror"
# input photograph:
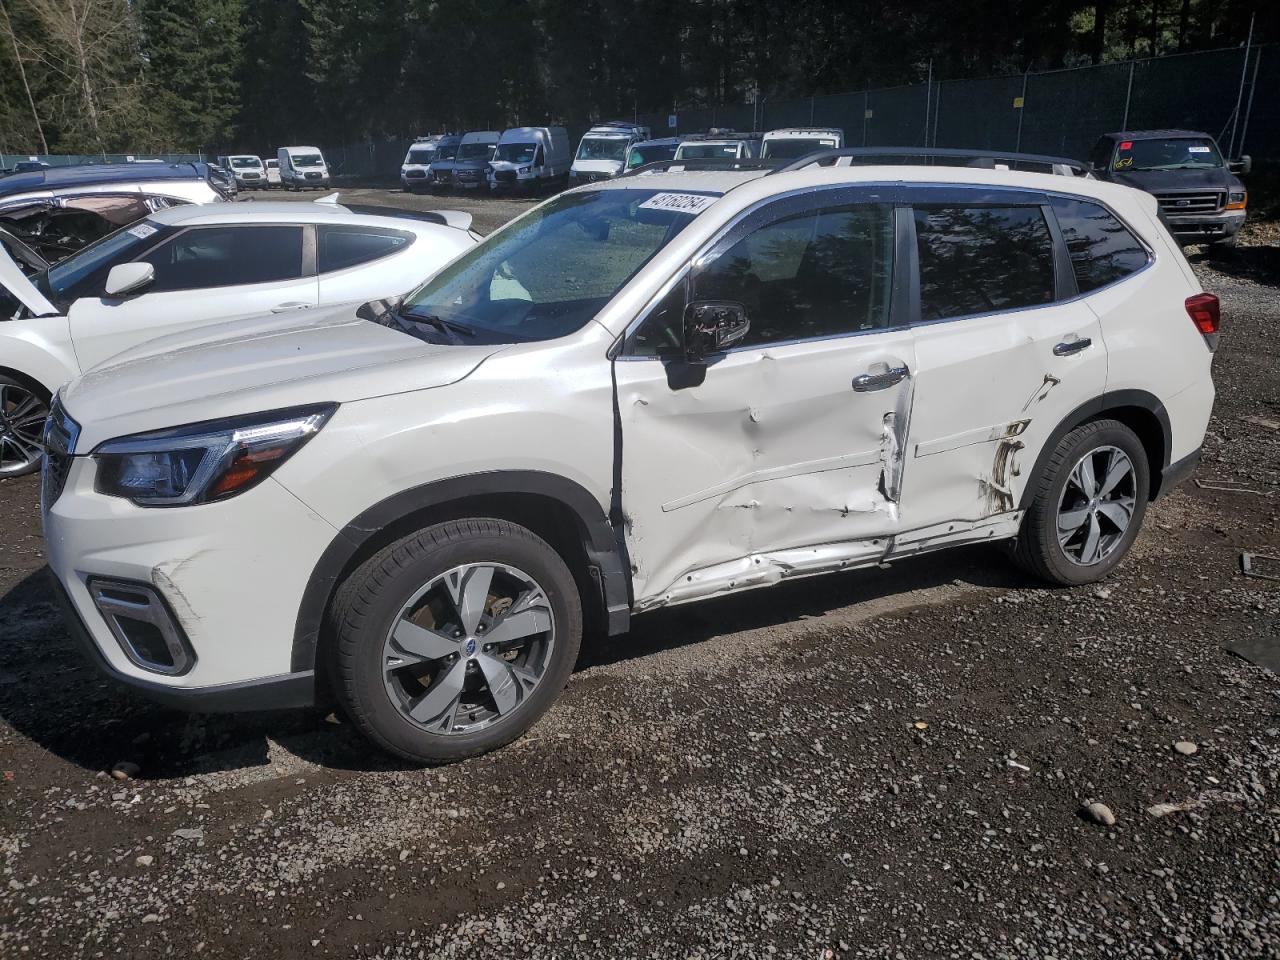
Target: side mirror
(127, 278)
(712, 326)
(1243, 165)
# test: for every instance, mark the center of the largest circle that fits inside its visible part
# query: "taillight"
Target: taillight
(1205, 313)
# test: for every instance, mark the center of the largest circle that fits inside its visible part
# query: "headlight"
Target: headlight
(524, 169)
(205, 461)
(1237, 199)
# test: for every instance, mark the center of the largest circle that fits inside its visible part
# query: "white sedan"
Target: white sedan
(188, 266)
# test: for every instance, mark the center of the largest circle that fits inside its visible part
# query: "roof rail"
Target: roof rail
(704, 163)
(926, 156)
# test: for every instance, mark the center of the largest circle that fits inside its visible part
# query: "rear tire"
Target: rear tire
(456, 639)
(1087, 505)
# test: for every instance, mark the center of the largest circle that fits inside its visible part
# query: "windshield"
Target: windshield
(111, 249)
(241, 163)
(447, 152)
(707, 151)
(602, 148)
(307, 159)
(1173, 153)
(639, 156)
(423, 156)
(273, 164)
(473, 151)
(516, 152)
(791, 149)
(552, 270)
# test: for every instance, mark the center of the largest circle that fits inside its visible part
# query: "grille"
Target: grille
(1178, 203)
(505, 176)
(313, 176)
(415, 175)
(60, 433)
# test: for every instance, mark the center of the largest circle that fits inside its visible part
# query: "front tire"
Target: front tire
(1087, 505)
(454, 640)
(23, 409)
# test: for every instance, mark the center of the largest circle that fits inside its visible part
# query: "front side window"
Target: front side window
(982, 259)
(552, 270)
(639, 156)
(1167, 153)
(342, 247)
(226, 256)
(817, 274)
(1102, 249)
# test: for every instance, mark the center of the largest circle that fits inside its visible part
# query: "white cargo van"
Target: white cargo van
(417, 163)
(302, 167)
(719, 145)
(530, 157)
(791, 143)
(247, 169)
(603, 150)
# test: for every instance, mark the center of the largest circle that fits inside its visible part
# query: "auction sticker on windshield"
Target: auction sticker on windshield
(142, 230)
(679, 202)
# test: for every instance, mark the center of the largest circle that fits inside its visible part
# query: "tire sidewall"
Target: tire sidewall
(1076, 444)
(368, 695)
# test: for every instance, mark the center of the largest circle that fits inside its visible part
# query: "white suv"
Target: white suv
(652, 390)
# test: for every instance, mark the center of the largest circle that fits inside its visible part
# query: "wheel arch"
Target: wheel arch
(557, 509)
(1140, 411)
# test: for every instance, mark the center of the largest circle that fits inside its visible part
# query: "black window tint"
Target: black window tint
(982, 259)
(813, 275)
(1102, 249)
(347, 246)
(226, 256)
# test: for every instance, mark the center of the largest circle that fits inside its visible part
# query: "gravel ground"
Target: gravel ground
(890, 763)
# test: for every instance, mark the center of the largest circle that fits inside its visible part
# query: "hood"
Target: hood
(1166, 181)
(597, 166)
(258, 363)
(471, 163)
(15, 281)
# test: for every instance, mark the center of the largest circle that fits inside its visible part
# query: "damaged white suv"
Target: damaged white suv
(648, 391)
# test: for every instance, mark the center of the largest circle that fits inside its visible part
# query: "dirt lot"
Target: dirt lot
(882, 764)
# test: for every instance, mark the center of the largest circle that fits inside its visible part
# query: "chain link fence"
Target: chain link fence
(1060, 112)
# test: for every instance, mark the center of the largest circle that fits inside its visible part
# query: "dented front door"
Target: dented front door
(783, 455)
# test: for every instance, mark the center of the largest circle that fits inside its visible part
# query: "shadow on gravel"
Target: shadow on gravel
(1259, 264)
(51, 694)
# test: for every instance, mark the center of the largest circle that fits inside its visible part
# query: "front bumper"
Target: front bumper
(231, 574)
(1205, 227)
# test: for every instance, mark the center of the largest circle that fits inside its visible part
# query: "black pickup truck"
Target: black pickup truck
(1201, 199)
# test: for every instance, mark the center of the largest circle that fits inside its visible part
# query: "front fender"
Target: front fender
(39, 348)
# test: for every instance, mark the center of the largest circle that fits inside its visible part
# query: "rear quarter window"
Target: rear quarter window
(1102, 249)
(342, 247)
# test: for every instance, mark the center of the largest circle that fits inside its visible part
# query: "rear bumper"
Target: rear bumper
(283, 692)
(1206, 227)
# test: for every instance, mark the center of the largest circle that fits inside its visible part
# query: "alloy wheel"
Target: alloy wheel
(469, 648)
(22, 416)
(1096, 506)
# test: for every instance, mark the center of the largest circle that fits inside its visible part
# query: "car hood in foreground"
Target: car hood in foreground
(256, 364)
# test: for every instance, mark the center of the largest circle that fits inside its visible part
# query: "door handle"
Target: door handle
(881, 380)
(290, 305)
(1068, 348)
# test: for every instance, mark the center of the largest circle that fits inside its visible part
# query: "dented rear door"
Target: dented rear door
(1004, 352)
(782, 455)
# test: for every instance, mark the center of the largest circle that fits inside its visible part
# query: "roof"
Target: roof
(755, 185)
(659, 141)
(783, 131)
(1155, 134)
(277, 211)
(56, 178)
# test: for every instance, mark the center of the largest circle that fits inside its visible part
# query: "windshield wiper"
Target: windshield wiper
(450, 327)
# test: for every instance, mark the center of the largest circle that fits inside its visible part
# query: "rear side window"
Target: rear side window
(982, 259)
(342, 247)
(1102, 249)
(226, 256)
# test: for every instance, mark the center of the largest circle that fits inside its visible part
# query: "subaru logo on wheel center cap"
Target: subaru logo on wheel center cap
(470, 647)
